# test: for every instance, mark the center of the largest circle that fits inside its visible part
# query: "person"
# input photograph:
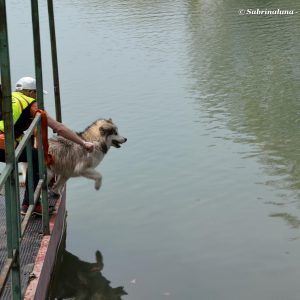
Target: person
(24, 107)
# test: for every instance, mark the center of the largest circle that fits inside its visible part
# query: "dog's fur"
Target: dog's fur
(72, 160)
(22, 171)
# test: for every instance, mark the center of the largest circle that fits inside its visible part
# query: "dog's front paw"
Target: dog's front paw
(98, 183)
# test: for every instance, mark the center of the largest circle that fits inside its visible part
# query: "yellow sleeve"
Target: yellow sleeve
(17, 110)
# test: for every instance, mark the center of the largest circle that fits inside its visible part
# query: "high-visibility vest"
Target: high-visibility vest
(19, 103)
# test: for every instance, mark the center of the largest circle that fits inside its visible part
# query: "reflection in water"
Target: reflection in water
(245, 74)
(291, 220)
(78, 279)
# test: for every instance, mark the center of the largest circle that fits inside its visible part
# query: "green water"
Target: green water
(203, 200)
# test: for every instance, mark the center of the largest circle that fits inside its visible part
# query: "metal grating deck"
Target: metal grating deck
(29, 246)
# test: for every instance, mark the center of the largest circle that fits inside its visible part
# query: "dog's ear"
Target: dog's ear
(99, 259)
(109, 120)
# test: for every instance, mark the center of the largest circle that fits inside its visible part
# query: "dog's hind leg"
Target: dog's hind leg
(23, 169)
(59, 183)
(93, 174)
(50, 176)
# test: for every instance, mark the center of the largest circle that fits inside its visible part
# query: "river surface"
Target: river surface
(203, 201)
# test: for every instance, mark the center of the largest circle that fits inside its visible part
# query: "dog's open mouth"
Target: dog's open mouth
(116, 144)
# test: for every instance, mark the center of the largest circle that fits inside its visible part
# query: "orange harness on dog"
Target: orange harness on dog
(49, 160)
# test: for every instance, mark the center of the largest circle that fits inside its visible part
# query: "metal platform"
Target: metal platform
(29, 248)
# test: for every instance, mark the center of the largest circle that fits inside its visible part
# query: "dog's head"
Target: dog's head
(109, 131)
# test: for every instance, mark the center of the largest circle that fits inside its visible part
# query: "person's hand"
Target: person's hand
(89, 147)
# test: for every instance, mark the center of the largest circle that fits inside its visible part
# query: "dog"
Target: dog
(72, 160)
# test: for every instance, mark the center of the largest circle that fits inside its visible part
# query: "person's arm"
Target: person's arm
(65, 132)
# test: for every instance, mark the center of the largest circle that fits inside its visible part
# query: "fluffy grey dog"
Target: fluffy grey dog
(71, 160)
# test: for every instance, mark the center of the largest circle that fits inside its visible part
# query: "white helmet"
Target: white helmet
(27, 83)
